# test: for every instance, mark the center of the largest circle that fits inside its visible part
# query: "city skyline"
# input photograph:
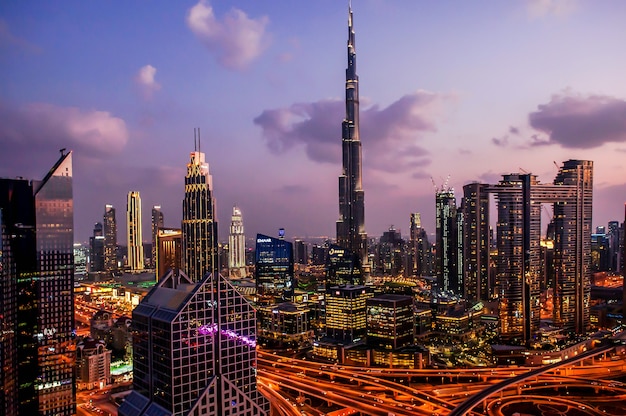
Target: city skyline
(471, 91)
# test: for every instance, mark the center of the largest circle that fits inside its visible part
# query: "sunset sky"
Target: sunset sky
(469, 89)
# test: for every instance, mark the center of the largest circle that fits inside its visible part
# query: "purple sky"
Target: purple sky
(467, 89)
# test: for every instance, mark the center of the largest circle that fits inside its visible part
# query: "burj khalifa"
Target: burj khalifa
(351, 223)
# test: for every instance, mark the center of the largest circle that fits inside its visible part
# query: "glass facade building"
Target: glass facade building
(346, 313)
(194, 351)
(274, 268)
(342, 267)
(446, 259)
(390, 321)
(36, 288)
(156, 223)
(236, 245)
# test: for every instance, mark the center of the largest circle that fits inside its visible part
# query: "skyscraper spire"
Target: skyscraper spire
(351, 224)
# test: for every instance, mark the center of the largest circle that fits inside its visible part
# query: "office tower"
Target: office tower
(110, 238)
(519, 199)
(572, 245)
(342, 267)
(351, 224)
(274, 269)
(346, 313)
(389, 253)
(157, 222)
(390, 321)
(600, 254)
(134, 237)
(199, 223)
(415, 224)
(36, 294)
(81, 254)
(96, 249)
(236, 245)
(169, 251)
(194, 351)
(476, 242)
(446, 241)
(301, 255)
(518, 263)
(613, 236)
(286, 325)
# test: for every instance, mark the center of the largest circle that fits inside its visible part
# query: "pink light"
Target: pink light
(212, 330)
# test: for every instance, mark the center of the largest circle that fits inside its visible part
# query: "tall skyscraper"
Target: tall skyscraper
(476, 242)
(446, 240)
(194, 351)
(351, 224)
(96, 249)
(199, 223)
(572, 245)
(520, 198)
(110, 238)
(157, 222)
(36, 294)
(236, 246)
(519, 257)
(415, 223)
(134, 237)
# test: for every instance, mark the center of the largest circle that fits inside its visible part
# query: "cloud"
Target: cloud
(146, 82)
(40, 128)
(575, 121)
(236, 40)
(543, 8)
(500, 141)
(8, 39)
(389, 135)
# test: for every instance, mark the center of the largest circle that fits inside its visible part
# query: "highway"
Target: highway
(389, 391)
(470, 403)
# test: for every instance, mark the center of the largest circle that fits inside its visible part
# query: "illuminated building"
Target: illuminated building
(476, 242)
(93, 364)
(274, 268)
(389, 321)
(110, 238)
(573, 189)
(236, 246)
(286, 325)
(199, 223)
(519, 199)
(518, 236)
(37, 354)
(423, 322)
(389, 253)
(81, 254)
(134, 237)
(351, 224)
(194, 351)
(96, 249)
(457, 324)
(157, 222)
(342, 267)
(614, 241)
(346, 313)
(446, 241)
(600, 260)
(169, 250)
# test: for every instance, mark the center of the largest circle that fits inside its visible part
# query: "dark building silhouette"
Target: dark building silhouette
(110, 238)
(37, 294)
(476, 242)
(96, 249)
(342, 267)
